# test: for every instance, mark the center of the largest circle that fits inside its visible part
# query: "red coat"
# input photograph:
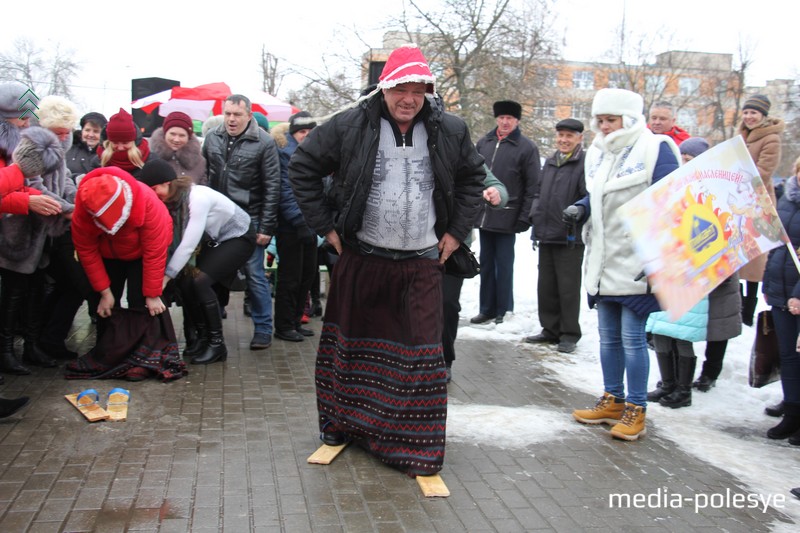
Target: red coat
(146, 234)
(13, 192)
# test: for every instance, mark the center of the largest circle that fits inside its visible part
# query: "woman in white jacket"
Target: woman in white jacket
(213, 237)
(624, 159)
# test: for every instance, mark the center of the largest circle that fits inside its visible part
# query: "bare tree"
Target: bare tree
(271, 75)
(44, 73)
(482, 51)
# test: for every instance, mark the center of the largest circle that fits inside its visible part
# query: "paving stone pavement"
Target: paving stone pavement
(225, 448)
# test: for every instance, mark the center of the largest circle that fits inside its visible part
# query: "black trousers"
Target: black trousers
(451, 293)
(297, 265)
(559, 291)
(70, 287)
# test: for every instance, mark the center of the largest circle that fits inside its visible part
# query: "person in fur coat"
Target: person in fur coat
(624, 159)
(176, 143)
(68, 285)
(762, 135)
(23, 250)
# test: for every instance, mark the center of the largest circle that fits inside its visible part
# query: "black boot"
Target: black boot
(774, 410)
(10, 406)
(10, 308)
(704, 383)
(191, 332)
(682, 396)
(32, 314)
(666, 365)
(790, 423)
(216, 349)
(33, 355)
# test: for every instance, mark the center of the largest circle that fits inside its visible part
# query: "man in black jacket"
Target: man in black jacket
(514, 159)
(407, 185)
(560, 246)
(243, 165)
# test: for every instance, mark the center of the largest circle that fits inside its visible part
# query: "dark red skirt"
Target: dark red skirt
(380, 372)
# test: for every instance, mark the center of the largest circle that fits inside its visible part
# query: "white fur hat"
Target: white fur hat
(618, 102)
(57, 112)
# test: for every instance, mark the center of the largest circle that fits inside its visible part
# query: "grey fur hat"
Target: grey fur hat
(10, 103)
(38, 152)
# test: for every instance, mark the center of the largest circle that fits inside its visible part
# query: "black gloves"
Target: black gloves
(573, 214)
(521, 226)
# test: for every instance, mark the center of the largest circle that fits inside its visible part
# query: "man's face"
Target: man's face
(300, 135)
(506, 124)
(404, 101)
(236, 118)
(567, 140)
(661, 120)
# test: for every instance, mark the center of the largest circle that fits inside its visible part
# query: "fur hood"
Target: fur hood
(769, 126)
(280, 133)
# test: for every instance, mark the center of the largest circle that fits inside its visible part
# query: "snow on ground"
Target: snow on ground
(725, 427)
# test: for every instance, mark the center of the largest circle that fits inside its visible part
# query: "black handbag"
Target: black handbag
(765, 362)
(462, 263)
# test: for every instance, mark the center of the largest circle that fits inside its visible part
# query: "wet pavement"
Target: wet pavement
(225, 449)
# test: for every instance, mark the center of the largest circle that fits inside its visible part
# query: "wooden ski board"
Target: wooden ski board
(117, 406)
(93, 413)
(433, 486)
(326, 454)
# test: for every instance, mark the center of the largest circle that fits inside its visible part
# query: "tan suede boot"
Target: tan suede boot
(631, 425)
(607, 410)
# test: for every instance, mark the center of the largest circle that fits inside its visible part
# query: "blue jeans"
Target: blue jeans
(623, 350)
(787, 327)
(259, 292)
(497, 273)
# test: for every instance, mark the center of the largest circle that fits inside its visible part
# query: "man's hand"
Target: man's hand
(154, 305)
(447, 246)
(492, 195)
(262, 240)
(106, 303)
(333, 239)
(43, 205)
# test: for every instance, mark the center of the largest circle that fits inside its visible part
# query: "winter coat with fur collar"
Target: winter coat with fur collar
(187, 161)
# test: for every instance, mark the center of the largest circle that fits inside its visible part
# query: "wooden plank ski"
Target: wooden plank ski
(118, 405)
(326, 454)
(88, 406)
(433, 486)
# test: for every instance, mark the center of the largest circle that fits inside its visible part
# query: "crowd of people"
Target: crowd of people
(392, 185)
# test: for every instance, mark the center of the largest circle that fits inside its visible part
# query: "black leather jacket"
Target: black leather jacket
(250, 176)
(346, 147)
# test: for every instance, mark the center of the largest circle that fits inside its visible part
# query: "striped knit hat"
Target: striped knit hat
(759, 102)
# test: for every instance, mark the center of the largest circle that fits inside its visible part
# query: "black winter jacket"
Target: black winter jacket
(251, 176)
(347, 145)
(515, 162)
(559, 187)
(79, 156)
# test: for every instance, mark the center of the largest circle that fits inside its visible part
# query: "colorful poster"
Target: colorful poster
(702, 223)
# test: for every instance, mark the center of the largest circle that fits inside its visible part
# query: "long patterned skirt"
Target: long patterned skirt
(380, 372)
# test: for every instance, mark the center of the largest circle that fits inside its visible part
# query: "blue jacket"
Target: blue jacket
(290, 218)
(692, 326)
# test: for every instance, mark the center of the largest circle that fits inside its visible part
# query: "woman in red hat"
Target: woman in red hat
(123, 145)
(121, 232)
(176, 143)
